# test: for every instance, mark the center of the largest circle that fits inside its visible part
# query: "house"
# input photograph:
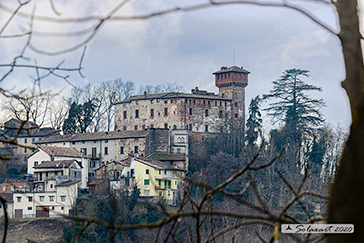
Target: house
(49, 173)
(58, 156)
(99, 187)
(154, 179)
(117, 145)
(111, 170)
(26, 133)
(199, 111)
(50, 202)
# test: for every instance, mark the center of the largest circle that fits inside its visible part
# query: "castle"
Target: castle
(199, 111)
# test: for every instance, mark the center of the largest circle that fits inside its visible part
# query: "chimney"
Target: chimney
(145, 93)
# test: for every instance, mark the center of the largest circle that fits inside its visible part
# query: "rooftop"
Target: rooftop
(232, 69)
(41, 132)
(94, 136)
(61, 151)
(173, 95)
(159, 165)
(167, 157)
(56, 164)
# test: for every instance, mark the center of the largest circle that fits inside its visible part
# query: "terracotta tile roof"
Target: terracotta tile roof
(68, 183)
(232, 69)
(97, 182)
(61, 151)
(94, 136)
(167, 157)
(41, 132)
(159, 165)
(56, 164)
(173, 95)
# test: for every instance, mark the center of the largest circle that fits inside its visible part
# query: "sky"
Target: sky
(186, 47)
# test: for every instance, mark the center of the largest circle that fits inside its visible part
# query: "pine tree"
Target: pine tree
(297, 110)
(254, 122)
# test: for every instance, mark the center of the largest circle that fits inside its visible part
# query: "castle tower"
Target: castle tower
(231, 83)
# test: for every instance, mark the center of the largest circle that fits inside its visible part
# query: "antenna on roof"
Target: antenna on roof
(234, 57)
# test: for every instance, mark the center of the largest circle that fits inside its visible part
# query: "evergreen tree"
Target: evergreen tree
(254, 122)
(79, 117)
(297, 110)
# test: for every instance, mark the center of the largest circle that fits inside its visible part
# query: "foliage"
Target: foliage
(79, 117)
(298, 111)
(254, 122)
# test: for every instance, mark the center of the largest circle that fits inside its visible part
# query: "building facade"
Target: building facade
(199, 111)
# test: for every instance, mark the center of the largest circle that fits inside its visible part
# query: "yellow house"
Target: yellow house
(157, 179)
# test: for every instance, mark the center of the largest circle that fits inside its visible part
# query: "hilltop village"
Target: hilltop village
(149, 149)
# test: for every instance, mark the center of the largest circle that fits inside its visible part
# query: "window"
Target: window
(121, 150)
(220, 114)
(136, 149)
(194, 101)
(18, 199)
(215, 103)
(158, 100)
(178, 150)
(33, 140)
(174, 127)
(29, 208)
(160, 172)
(204, 102)
(106, 150)
(124, 128)
(143, 127)
(206, 128)
(4, 188)
(236, 115)
(51, 185)
(136, 139)
(62, 208)
(146, 182)
(190, 111)
(190, 127)
(159, 182)
(166, 111)
(136, 127)
(160, 193)
(63, 198)
(206, 112)
(151, 101)
(73, 143)
(84, 151)
(136, 113)
(171, 101)
(137, 102)
(166, 125)
(236, 104)
(125, 114)
(127, 182)
(25, 140)
(152, 112)
(208, 102)
(30, 199)
(35, 163)
(41, 198)
(166, 101)
(151, 126)
(51, 198)
(46, 174)
(25, 150)
(165, 172)
(147, 171)
(106, 141)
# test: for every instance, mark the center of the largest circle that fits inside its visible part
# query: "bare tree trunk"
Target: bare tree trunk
(347, 197)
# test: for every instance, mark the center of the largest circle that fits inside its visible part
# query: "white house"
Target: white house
(52, 153)
(53, 203)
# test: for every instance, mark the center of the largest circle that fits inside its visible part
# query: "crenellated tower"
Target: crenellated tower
(231, 82)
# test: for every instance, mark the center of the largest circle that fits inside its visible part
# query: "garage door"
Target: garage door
(18, 213)
(42, 212)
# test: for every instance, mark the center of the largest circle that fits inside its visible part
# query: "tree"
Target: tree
(254, 122)
(79, 117)
(298, 111)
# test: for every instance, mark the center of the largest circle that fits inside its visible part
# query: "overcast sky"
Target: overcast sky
(187, 48)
